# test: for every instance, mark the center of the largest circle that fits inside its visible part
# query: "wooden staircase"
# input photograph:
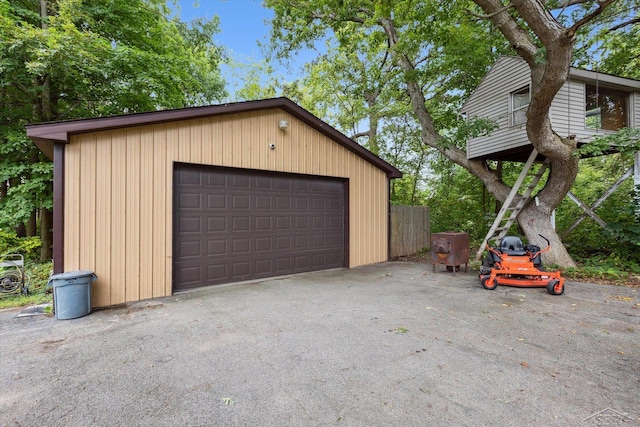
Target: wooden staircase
(514, 202)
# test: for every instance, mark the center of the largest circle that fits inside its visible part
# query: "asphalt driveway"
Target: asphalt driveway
(388, 344)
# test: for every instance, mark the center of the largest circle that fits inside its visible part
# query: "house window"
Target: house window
(519, 104)
(606, 108)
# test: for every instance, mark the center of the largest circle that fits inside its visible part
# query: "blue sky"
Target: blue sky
(242, 23)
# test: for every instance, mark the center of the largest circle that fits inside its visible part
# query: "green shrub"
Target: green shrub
(29, 247)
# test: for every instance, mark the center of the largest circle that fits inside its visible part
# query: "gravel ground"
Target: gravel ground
(386, 344)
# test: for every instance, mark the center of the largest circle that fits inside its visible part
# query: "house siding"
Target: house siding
(118, 206)
(635, 101)
(491, 100)
(568, 112)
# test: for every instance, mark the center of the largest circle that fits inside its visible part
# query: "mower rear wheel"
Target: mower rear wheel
(554, 287)
(488, 285)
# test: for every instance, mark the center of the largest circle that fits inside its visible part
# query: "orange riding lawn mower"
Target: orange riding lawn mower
(515, 264)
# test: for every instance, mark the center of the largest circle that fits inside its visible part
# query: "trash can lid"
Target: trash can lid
(71, 274)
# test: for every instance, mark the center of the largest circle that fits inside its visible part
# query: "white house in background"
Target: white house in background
(588, 104)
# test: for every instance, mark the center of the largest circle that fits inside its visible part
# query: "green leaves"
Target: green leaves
(625, 141)
(87, 59)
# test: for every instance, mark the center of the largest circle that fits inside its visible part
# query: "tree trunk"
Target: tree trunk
(31, 225)
(549, 69)
(535, 218)
(535, 221)
(371, 99)
(46, 235)
(498, 205)
(44, 113)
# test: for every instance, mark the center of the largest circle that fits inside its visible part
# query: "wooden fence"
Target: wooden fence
(410, 229)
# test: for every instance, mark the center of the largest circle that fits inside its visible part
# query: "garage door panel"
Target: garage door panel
(189, 178)
(190, 201)
(333, 222)
(301, 203)
(318, 241)
(190, 274)
(240, 270)
(334, 240)
(263, 223)
(301, 222)
(301, 242)
(283, 223)
(281, 184)
(318, 222)
(241, 246)
(333, 258)
(302, 262)
(191, 249)
(216, 247)
(215, 270)
(241, 224)
(263, 244)
(214, 180)
(263, 266)
(283, 242)
(283, 203)
(234, 225)
(241, 181)
(319, 260)
(241, 202)
(318, 204)
(216, 201)
(283, 265)
(216, 224)
(262, 202)
(262, 182)
(189, 225)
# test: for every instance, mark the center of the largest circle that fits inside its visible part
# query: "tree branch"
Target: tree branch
(624, 24)
(360, 135)
(490, 15)
(517, 36)
(331, 17)
(602, 5)
(429, 135)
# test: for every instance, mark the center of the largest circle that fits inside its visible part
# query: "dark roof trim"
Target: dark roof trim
(44, 135)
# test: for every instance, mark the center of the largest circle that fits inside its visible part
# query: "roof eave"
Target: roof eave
(45, 135)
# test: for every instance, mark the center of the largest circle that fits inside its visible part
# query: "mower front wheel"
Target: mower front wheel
(554, 287)
(487, 284)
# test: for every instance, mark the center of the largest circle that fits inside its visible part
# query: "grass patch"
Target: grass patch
(602, 275)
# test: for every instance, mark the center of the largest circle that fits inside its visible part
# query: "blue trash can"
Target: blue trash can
(72, 293)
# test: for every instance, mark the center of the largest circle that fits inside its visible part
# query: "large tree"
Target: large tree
(543, 34)
(69, 59)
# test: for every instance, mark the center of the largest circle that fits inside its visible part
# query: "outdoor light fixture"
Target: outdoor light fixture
(283, 124)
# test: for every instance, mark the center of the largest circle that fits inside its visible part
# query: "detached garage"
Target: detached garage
(166, 201)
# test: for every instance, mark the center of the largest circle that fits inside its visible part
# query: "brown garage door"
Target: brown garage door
(236, 224)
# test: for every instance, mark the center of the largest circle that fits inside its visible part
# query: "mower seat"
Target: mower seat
(512, 245)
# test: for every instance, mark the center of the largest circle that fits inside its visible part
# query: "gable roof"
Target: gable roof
(45, 135)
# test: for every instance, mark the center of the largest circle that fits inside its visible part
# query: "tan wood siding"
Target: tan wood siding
(118, 206)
